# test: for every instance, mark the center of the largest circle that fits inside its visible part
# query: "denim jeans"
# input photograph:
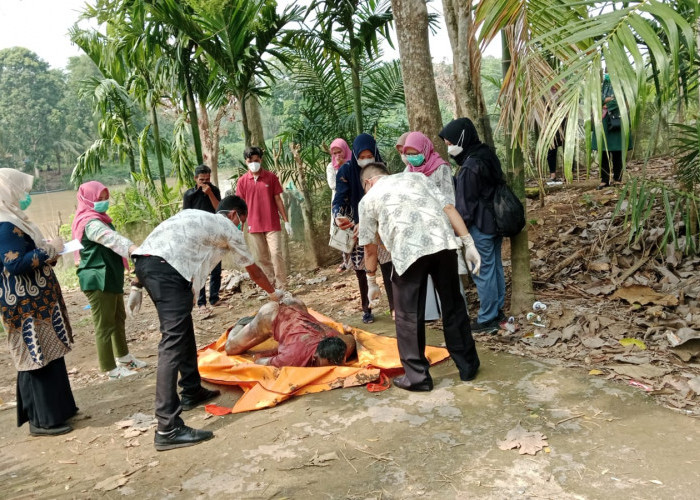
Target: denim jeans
(490, 283)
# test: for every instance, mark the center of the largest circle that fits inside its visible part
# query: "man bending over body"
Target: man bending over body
(303, 340)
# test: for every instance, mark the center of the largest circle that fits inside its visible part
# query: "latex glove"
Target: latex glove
(373, 292)
(288, 228)
(471, 254)
(277, 295)
(133, 304)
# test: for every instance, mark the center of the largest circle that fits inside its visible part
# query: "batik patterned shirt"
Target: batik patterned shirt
(444, 181)
(406, 211)
(194, 242)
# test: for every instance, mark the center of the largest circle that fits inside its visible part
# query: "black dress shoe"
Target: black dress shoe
(201, 396)
(56, 430)
(471, 374)
(180, 437)
(403, 383)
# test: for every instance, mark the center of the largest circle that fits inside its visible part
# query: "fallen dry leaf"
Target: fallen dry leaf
(112, 483)
(640, 294)
(528, 443)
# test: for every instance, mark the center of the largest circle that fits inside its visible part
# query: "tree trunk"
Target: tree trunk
(244, 121)
(191, 106)
(257, 135)
(205, 135)
(356, 91)
(522, 294)
(422, 107)
(158, 146)
(466, 64)
(306, 209)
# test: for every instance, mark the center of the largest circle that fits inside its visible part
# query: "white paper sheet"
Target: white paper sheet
(71, 246)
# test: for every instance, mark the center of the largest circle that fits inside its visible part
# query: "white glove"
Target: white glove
(288, 228)
(133, 305)
(471, 254)
(373, 292)
(277, 295)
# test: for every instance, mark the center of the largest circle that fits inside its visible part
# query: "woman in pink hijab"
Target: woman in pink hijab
(101, 277)
(421, 157)
(399, 147)
(340, 154)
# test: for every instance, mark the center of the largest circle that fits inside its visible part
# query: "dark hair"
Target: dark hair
(252, 151)
(332, 349)
(233, 202)
(373, 170)
(202, 169)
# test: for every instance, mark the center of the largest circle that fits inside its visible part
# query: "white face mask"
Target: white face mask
(364, 162)
(254, 166)
(453, 150)
(404, 159)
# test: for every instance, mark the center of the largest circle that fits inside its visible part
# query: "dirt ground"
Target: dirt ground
(604, 418)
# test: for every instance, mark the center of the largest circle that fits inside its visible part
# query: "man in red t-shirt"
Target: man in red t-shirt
(261, 190)
(303, 340)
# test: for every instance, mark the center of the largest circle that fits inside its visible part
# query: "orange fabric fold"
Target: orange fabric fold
(267, 386)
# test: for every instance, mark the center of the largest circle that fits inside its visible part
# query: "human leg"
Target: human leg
(103, 308)
(617, 165)
(605, 169)
(455, 319)
(262, 254)
(500, 275)
(214, 285)
(387, 270)
(257, 331)
(552, 163)
(274, 243)
(202, 297)
(409, 300)
(119, 345)
(486, 282)
(172, 296)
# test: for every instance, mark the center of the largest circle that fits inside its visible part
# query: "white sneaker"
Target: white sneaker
(120, 372)
(130, 361)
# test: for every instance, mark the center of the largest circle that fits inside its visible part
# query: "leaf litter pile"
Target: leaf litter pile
(622, 311)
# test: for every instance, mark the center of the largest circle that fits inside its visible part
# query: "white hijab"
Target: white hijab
(14, 185)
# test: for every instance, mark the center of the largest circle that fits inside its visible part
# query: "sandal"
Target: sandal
(204, 312)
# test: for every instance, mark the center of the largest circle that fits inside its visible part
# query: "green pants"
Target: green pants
(109, 316)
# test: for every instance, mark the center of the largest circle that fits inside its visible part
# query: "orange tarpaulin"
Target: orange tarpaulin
(266, 386)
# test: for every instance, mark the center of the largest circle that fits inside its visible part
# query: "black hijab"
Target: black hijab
(461, 132)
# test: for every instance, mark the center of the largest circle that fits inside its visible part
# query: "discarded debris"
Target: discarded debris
(526, 442)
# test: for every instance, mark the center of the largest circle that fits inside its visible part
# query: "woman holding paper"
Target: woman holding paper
(33, 313)
(103, 259)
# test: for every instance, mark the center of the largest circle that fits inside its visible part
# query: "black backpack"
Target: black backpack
(508, 211)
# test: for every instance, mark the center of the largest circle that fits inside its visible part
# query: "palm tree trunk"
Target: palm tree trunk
(306, 208)
(257, 135)
(190, 104)
(158, 146)
(207, 138)
(244, 121)
(422, 106)
(466, 64)
(356, 91)
(522, 294)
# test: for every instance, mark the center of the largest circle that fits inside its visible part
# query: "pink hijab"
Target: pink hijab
(347, 154)
(402, 140)
(88, 193)
(421, 143)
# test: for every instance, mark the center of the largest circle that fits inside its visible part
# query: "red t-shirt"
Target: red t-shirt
(259, 195)
(298, 334)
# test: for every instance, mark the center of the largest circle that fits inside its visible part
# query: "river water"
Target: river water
(50, 210)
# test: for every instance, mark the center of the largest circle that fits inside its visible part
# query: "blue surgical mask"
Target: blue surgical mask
(416, 160)
(101, 206)
(25, 202)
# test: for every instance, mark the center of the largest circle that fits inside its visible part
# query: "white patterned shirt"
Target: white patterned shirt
(194, 242)
(407, 212)
(443, 179)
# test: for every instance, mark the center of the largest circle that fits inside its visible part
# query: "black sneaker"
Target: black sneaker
(180, 437)
(488, 327)
(368, 317)
(501, 315)
(201, 396)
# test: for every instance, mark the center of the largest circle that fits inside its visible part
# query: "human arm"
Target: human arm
(259, 278)
(17, 257)
(101, 233)
(283, 213)
(467, 193)
(445, 182)
(213, 194)
(187, 199)
(341, 200)
(471, 255)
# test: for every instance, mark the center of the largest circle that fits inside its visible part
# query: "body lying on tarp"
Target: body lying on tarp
(302, 339)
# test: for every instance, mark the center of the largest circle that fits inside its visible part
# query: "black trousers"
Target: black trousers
(409, 297)
(214, 286)
(387, 270)
(616, 158)
(177, 350)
